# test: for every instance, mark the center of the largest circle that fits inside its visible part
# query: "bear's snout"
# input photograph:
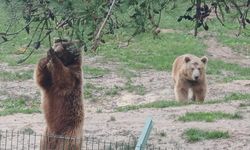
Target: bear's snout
(196, 77)
(196, 74)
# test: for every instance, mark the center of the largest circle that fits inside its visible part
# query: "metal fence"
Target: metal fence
(10, 140)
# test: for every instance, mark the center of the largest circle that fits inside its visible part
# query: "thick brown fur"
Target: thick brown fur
(189, 73)
(59, 76)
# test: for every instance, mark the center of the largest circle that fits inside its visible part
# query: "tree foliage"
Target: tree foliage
(89, 20)
(204, 8)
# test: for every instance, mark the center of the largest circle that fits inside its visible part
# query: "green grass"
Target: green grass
(125, 72)
(240, 44)
(19, 75)
(148, 53)
(195, 135)
(216, 67)
(113, 91)
(237, 96)
(169, 20)
(227, 34)
(94, 71)
(157, 104)
(173, 103)
(90, 91)
(95, 92)
(137, 89)
(12, 106)
(131, 88)
(208, 116)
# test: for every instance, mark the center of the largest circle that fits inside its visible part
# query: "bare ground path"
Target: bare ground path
(217, 50)
(130, 124)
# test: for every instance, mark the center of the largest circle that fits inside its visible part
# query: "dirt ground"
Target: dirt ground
(158, 86)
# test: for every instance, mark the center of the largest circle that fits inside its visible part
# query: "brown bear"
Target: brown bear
(59, 76)
(189, 73)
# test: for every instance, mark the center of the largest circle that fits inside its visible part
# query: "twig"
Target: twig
(221, 11)
(97, 37)
(47, 26)
(17, 32)
(93, 77)
(32, 51)
(32, 37)
(217, 16)
(241, 19)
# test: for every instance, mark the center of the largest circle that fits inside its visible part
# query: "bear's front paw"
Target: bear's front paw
(43, 63)
(51, 53)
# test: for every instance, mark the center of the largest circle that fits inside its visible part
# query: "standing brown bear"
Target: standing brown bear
(59, 75)
(189, 72)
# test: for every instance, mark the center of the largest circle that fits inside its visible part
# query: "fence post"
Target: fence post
(142, 141)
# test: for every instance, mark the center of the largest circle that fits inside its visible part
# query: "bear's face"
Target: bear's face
(195, 68)
(66, 51)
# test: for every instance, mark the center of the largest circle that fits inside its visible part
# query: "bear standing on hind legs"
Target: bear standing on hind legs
(189, 73)
(59, 76)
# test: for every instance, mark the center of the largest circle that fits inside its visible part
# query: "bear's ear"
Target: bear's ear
(187, 59)
(204, 59)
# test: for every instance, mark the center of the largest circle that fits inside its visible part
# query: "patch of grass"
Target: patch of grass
(174, 103)
(208, 116)
(237, 96)
(148, 53)
(238, 44)
(137, 89)
(170, 17)
(12, 106)
(195, 135)
(113, 91)
(157, 104)
(94, 71)
(126, 73)
(216, 67)
(33, 58)
(95, 92)
(20, 75)
(227, 35)
(91, 91)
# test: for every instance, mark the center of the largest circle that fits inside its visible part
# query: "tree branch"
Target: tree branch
(98, 35)
(198, 13)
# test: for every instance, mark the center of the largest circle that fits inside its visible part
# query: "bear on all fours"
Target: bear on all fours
(189, 73)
